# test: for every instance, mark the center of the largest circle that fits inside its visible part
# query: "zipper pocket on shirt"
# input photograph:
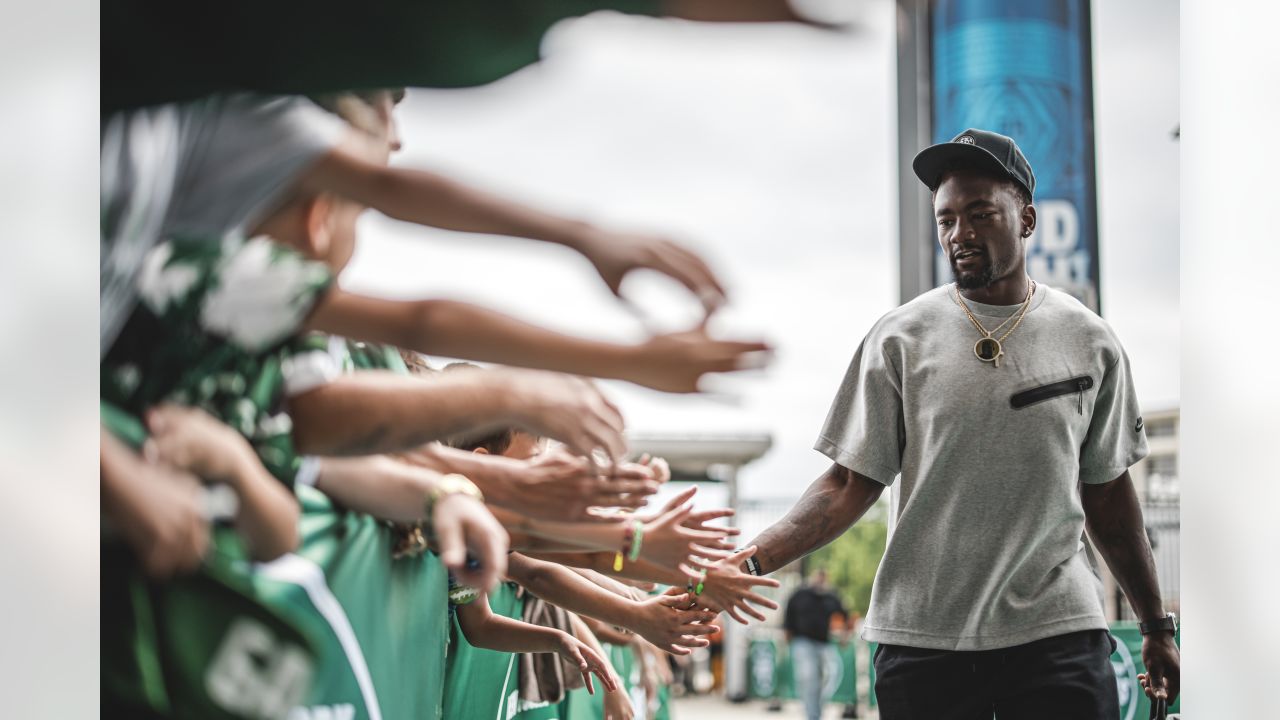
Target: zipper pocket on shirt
(1079, 385)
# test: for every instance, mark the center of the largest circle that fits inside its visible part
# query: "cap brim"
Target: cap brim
(931, 161)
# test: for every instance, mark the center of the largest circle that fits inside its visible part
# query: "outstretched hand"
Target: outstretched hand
(567, 408)
(587, 661)
(616, 254)
(668, 542)
(676, 362)
(668, 623)
(727, 588)
(560, 486)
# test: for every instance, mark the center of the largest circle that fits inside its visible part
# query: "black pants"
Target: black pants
(1067, 677)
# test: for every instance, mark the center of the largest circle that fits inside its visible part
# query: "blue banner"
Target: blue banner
(1023, 68)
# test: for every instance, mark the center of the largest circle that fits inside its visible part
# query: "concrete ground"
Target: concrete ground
(714, 707)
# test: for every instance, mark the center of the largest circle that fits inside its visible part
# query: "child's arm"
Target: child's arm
(394, 490)
(726, 587)
(485, 629)
(654, 618)
(617, 706)
(267, 513)
(673, 362)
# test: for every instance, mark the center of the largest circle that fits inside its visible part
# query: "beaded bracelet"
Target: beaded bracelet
(628, 537)
(638, 528)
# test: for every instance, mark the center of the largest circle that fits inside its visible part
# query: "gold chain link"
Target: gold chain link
(1026, 303)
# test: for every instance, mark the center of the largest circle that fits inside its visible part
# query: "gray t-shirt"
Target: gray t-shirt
(986, 551)
(207, 168)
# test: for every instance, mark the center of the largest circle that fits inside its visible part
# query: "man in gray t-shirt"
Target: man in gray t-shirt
(1008, 411)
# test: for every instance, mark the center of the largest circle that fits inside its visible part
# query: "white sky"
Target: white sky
(770, 149)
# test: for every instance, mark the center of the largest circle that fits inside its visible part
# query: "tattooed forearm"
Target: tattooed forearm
(832, 503)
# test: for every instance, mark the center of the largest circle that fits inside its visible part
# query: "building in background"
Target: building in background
(1156, 480)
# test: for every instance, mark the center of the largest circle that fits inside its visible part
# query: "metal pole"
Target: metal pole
(915, 235)
(734, 643)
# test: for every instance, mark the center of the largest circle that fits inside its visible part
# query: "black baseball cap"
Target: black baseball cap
(979, 149)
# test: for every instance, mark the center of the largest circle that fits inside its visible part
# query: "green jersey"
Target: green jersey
(482, 684)
(201, 645)
(213, 329)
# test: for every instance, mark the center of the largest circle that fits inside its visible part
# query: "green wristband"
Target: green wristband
(701, 580)
(638, 528)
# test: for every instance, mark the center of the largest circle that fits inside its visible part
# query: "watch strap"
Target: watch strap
(1168, 623)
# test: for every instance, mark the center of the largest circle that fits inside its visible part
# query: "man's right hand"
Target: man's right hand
(557, 485)
(563, 407)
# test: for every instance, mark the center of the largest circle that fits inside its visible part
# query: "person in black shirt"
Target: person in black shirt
(807, 622)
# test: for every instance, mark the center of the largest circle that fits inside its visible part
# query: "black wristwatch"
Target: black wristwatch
(1168, 623)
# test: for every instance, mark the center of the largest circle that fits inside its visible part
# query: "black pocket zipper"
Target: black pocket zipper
(1079, 384)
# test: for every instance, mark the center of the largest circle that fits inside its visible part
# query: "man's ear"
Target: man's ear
(1028, 217)
(318, 233)
(480, 451)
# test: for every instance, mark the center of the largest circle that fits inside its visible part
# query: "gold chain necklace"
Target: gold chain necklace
(988, 348)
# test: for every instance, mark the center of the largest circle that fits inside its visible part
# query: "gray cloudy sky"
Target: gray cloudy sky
(770, 149)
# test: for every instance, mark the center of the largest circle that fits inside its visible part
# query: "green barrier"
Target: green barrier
(383, 622)
(1127, 661)
(771, 677)
(483, 684)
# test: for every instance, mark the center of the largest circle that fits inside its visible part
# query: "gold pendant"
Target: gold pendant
(988, 350)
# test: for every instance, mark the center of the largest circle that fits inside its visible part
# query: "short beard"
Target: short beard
(975, 281)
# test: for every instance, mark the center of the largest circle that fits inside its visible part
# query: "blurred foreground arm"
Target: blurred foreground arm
(156, 507)
(191, 439)
(373, 412)
(673, 362)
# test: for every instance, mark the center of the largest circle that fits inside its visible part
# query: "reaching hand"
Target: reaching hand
(1163, 661)
(615, 254)
(587, 661)
(668, 543)
(700, 520)
(677, 361)
(561, 486)
(563, 407)
(191, 439)
(727, 588)
(665, 622)
(661, 470)
(159, 511)
(462, 524)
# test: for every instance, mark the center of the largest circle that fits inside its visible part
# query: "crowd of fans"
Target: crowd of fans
(261, 427)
